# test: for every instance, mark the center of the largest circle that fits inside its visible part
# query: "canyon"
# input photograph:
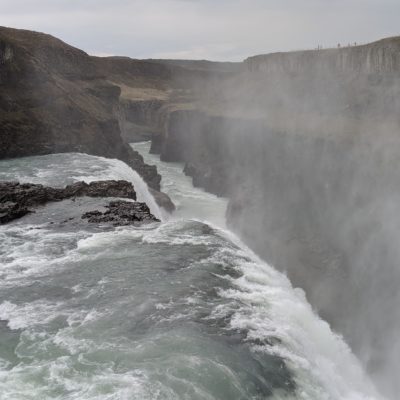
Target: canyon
(305, 145)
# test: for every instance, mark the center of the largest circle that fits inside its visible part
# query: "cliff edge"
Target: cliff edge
(55, 98)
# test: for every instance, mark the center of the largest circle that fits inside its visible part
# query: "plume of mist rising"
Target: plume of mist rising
(307, 147)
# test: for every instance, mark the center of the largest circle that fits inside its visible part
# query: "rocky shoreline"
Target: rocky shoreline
(18, 200)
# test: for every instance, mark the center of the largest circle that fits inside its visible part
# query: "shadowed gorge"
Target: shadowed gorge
(305, 146)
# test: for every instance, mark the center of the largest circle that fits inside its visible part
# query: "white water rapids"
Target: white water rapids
(179, 310)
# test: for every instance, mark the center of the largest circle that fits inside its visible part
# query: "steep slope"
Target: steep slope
(382, 56)
(306, 146)
(56, 98)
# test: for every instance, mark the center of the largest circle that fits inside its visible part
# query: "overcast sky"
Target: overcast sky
(204, 29)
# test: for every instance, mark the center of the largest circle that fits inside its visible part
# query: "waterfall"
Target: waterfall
(120, 170)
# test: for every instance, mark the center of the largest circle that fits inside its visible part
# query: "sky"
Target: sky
(222, 30)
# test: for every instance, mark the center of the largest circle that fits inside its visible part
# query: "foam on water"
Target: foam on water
(27, 252)
(190, 202)
(260, 303)
(323, 363)
(182, 310)
(272, 311)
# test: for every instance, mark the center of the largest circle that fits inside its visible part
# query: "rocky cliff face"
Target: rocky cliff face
(305, 146)
(322, 209)
(378, 57)
(138, 119)
(55, 98)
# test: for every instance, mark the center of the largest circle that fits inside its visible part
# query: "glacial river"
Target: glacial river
(176, 310)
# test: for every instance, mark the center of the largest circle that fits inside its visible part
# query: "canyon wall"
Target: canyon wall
(306, 147)
(55, 98)
(382, 56)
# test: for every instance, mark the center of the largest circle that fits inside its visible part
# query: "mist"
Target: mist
(305, 146)
(291, 163)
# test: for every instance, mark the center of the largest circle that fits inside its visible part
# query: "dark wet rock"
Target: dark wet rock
(101, 189)
(121, 213)
(92, 215)
(27, 194)
(16, 199)
(163, 200)
(10, 211)
(30, 194)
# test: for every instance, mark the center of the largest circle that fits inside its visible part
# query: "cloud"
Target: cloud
(218, 29)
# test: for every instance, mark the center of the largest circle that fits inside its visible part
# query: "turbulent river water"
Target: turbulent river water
(176, 310)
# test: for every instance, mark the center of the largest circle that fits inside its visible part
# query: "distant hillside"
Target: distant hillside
(202, 65)
(380, 56)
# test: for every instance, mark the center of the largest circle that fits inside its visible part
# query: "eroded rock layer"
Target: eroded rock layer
(17, 200)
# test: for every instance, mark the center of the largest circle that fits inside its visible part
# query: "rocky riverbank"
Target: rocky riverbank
(18, 200)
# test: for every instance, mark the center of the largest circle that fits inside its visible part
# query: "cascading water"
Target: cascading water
(181, 310)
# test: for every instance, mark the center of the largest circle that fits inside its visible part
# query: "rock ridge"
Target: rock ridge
(19, 199)
(382, 56)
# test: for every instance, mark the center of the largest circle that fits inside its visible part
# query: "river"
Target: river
(176, 310)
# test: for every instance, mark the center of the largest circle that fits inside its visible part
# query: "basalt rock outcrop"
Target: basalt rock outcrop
(122, 213)
(10, 210)
(382, 56)
(18, 199)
